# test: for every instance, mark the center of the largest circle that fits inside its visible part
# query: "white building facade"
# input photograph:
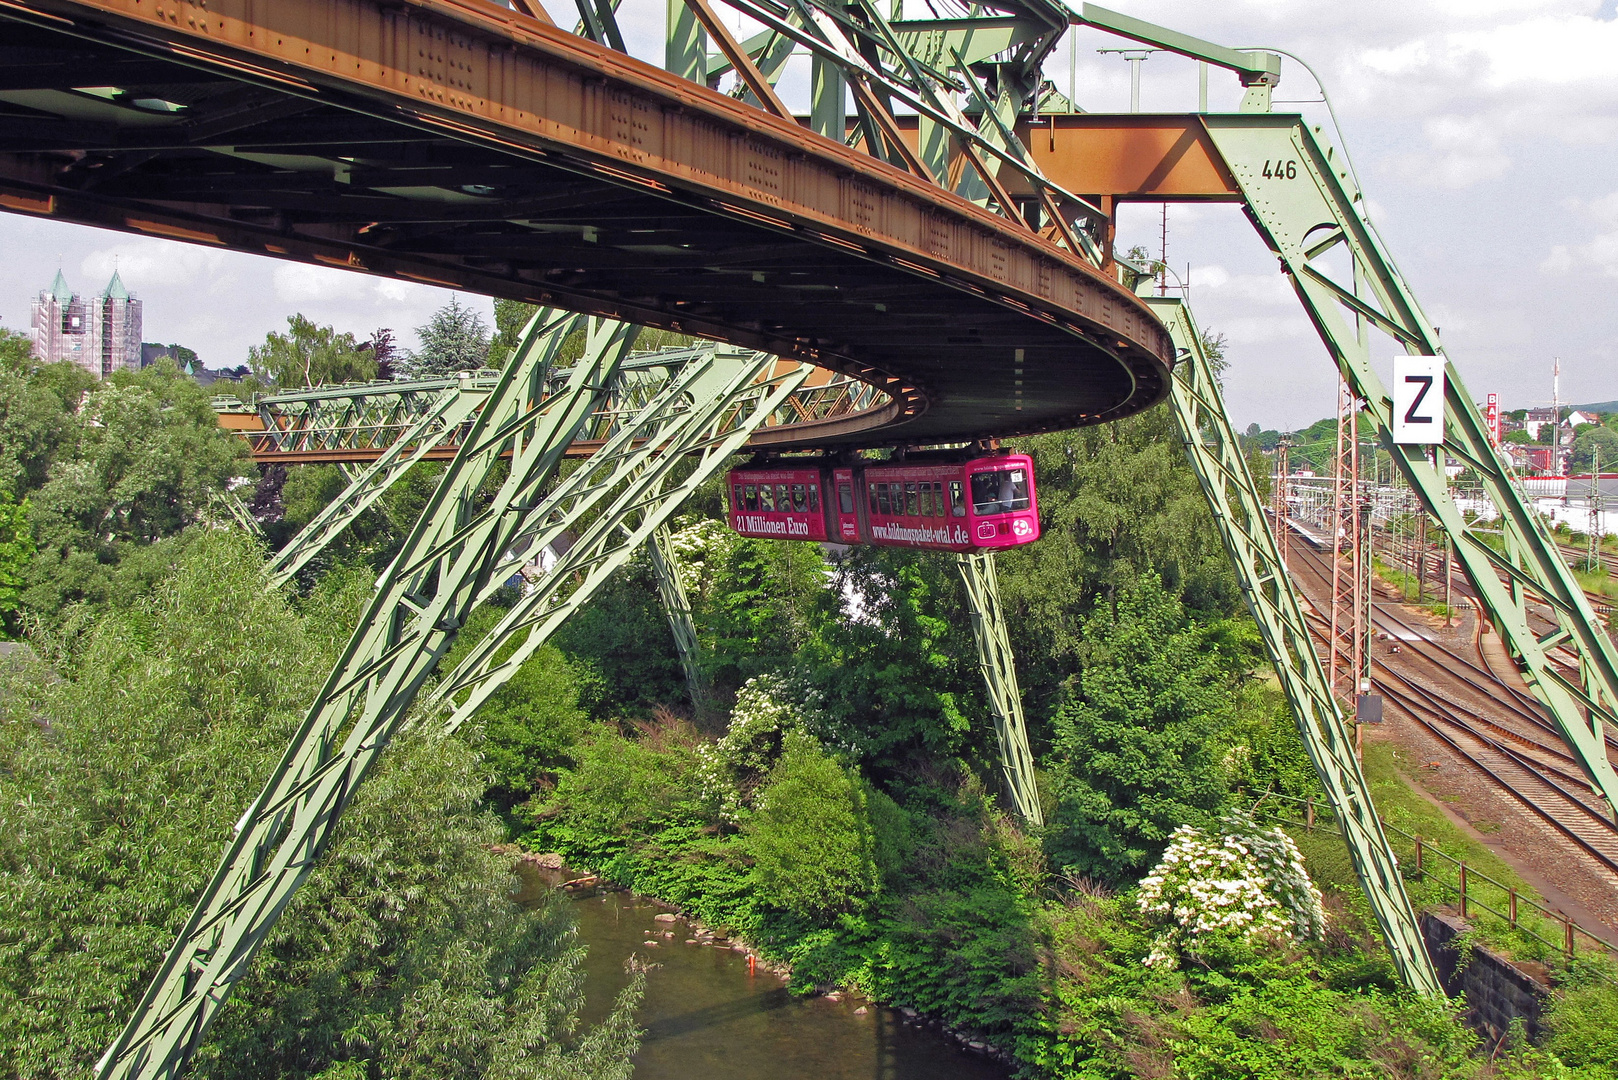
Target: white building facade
(100, 334)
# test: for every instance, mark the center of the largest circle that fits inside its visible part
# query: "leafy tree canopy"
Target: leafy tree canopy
(310, 355)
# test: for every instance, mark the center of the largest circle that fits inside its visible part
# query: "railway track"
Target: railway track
(1496, 730)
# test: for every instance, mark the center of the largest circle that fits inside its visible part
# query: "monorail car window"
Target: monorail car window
(751, 499)
(957, 502)
(910, 499)
(783, 500)
(845, 497)
(800, 499)
(766, 498)
(879, 499)
(814, 498)
(999, 492)
(736, 501)
(926, 498)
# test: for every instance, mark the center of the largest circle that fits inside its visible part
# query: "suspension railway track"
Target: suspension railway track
(1495, 729)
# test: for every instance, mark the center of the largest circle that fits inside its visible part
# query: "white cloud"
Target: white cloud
(297, 283)
(151, 263)
(1600, 252)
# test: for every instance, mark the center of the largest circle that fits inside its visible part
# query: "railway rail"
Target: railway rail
(1493, 728)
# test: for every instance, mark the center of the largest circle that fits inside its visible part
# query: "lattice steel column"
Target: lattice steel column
(1238, 512)
(1000, 678)
(677, 606)
(449, 564)
(1301, 200)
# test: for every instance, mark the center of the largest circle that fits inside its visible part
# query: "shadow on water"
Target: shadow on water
(707, 1018)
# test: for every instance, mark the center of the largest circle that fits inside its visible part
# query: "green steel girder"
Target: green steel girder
(999, 669)
(1309, 217)
(453, 408)
(1238, 513)
(677, 606)
(643, 482)
(444, 570)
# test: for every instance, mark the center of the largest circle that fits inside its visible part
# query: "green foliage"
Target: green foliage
(1583, 1026)
(454, 339)
(310, 355)
(16, 552)
(811, 840)
(37, 422)
(622, 649)
(1518, 436)
(1137, 748)
(142, 458)
(120, 775)
(529, 726)
(1589, 442)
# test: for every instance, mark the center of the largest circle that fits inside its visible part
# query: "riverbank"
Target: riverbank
(708, 1013)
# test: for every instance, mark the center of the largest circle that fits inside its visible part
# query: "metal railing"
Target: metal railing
(1464, 887)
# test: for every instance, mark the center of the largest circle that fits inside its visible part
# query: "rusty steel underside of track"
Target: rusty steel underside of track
(461, 144)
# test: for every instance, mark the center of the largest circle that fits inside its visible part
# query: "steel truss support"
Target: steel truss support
(1000, 678)
(454, 558)
(642, 475)
(677, 606)
(453, 408)
(1300, 200)
(1238, 513)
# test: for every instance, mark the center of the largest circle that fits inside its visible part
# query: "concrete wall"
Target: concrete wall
(1497, 991)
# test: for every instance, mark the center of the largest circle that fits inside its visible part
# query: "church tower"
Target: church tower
(101, 335)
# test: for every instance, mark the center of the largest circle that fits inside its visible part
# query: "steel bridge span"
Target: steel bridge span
(953, 268)
(463, 144)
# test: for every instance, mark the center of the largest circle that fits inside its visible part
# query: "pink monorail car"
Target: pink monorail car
(987, 502)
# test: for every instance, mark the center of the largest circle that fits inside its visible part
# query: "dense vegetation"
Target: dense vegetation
(836, 804)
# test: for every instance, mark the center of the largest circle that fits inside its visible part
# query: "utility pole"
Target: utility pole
(1279, 496)
(1592, 559)
(1163, 255)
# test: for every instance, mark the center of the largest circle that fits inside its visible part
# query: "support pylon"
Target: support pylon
(461, 551)
(1000, 679)
(1238, 513)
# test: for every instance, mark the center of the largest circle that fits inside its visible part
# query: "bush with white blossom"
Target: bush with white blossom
(767, 708)
(700, 548)
(1239, 881)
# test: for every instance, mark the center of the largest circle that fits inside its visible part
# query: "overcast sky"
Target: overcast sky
(1485, 132)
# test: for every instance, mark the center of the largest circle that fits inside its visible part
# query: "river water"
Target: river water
(707, 1017)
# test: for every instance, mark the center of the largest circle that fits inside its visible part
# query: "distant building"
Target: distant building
(100, 334)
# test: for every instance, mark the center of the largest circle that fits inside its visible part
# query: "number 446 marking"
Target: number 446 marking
(1280, 170)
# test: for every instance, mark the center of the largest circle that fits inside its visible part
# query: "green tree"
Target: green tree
(310, 355)
(1587, 444)
(16, 552)
(1518, 436)
(813, 848)
(1138, 747)
(37, 407)
(120, 775)
(143, 457)
(454, 339)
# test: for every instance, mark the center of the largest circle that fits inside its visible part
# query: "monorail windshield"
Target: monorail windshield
(1001, 491)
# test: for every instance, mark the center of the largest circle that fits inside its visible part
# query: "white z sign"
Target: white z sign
(1418, 399)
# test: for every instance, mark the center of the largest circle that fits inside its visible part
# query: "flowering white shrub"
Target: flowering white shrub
(699, 549)
(767, 708)
(1244, 881)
